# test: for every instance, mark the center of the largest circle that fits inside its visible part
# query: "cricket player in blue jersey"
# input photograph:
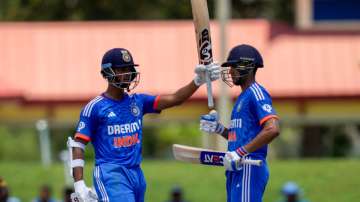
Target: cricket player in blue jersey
(254, 124)
(113, 123)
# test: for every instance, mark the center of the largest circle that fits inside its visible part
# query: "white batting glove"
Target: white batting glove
(209, 123)
(201, 72)
(83, 193)
(233, 160)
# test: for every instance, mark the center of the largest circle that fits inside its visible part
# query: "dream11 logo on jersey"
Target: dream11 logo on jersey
(126, 135)
(126, 141)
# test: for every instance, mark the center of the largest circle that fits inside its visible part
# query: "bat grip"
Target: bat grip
(252, 162)
(209, 91)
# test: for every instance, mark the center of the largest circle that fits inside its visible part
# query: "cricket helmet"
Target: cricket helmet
(244, 52)
(117, 58)
(244, 58)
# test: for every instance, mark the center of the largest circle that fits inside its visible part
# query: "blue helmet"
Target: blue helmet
(242, 53)
(117, 57)
(120, 58)
(244, 59)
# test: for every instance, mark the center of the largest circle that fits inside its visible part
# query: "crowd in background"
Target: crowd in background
(45, 194)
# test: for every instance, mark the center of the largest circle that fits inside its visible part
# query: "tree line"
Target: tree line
(84, 10)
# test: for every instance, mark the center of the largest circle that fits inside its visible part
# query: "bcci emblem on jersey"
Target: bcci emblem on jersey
(135, 111)
(81, 126)
(267, 107)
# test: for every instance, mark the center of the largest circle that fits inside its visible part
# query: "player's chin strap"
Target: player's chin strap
(74, 162)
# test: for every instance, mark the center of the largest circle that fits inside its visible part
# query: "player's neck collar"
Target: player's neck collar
(247, 86)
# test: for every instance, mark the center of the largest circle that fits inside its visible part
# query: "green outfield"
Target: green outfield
(322, 180)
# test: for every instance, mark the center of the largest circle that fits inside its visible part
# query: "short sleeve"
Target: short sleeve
(262, 104)
(85, 126)
(150, 103)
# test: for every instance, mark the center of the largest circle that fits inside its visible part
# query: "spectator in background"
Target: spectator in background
(67, 194)
(4, 193)
(176, 195)
(291, 193)
(45, 195)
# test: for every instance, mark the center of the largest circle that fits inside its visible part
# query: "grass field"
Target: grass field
(322, 180)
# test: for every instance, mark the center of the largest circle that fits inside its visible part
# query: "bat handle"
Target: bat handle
(252, 162)
(209, 91)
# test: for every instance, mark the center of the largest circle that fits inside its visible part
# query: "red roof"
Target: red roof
(61, 61)
(313, 65)
(7, 91)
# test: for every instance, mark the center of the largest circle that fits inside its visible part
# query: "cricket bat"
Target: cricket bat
(204, 156)
(203, 40)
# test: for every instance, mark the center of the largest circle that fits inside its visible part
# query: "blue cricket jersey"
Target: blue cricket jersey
(114, 127)
(252, 108)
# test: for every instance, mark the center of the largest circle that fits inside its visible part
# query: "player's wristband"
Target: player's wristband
(77, 163)
(241, 151)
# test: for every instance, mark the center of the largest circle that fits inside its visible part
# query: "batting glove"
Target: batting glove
(210, 123)
(83, 193)
(233, 160)
(201, 72)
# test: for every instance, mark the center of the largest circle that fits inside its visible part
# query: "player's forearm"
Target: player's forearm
(181, 95)
(266, 135)
(185, 93)
(78, 171)
(260, 140)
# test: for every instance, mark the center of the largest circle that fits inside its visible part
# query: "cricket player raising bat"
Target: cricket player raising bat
(113, 122)
(254, 124)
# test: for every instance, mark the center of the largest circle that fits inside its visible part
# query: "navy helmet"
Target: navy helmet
(120, 58)
(242, 53)
(243, 58)
(117, 57)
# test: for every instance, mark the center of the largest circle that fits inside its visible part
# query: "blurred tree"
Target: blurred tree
(157, 140)
(325, 141)
(313, 141)
(57, 10)
(18, 143)
(283, 10)
(341, 143)
(41, 10)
